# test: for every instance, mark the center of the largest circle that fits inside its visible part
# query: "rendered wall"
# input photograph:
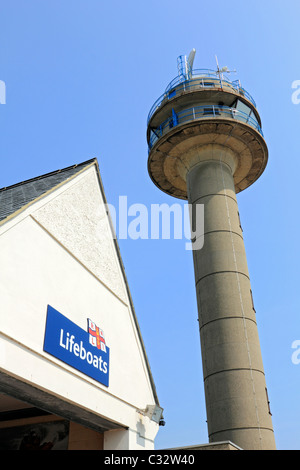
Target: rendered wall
(60, 252)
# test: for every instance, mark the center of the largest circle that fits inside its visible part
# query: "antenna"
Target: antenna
(191, 58)
(185, 64)
(222, 70)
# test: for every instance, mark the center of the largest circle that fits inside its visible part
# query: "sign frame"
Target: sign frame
(71, 344)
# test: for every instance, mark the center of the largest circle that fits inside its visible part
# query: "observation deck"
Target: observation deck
(203, 107)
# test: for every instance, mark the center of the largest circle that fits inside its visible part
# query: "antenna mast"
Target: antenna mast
(220, 72)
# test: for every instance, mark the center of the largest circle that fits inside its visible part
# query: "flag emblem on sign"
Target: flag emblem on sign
(96, 336)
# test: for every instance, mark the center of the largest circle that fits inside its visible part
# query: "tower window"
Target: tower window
(211, 110)
(240, 221)
(268, 401)
(252, 301)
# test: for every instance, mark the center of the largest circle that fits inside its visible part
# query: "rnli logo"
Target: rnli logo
(96, 336)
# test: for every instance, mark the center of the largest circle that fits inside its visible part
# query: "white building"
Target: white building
(60, 266)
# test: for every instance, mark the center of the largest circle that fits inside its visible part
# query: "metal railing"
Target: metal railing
(198, 79)
(199, 113)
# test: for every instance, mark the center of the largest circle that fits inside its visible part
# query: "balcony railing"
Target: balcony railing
(199, 113)
(199, 79)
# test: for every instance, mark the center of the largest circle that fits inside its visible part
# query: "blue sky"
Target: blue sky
(81, 76)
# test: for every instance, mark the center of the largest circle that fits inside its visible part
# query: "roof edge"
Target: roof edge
(85, 165)
(36, 178)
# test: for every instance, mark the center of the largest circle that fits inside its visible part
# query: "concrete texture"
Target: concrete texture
(172, 153)
(234, 380)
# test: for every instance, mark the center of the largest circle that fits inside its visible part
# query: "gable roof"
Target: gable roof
(15, 197)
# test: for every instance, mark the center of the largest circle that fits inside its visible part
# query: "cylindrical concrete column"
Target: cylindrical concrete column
(235, 388)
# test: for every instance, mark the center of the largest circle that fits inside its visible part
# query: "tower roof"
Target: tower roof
(15, 197)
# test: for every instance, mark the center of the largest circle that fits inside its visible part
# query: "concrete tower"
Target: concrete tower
(205, 146)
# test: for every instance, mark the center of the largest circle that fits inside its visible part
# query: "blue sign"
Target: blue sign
(86, 351)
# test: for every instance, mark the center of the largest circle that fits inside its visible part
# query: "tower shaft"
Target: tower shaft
(235, 388)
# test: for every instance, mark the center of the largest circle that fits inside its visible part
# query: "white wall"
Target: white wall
(56, 253)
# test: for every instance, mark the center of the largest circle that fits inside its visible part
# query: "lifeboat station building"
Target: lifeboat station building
(74, 373)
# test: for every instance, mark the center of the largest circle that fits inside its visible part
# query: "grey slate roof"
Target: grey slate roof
(18, 195)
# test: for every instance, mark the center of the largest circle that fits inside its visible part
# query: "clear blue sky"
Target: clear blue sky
(81, 76)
